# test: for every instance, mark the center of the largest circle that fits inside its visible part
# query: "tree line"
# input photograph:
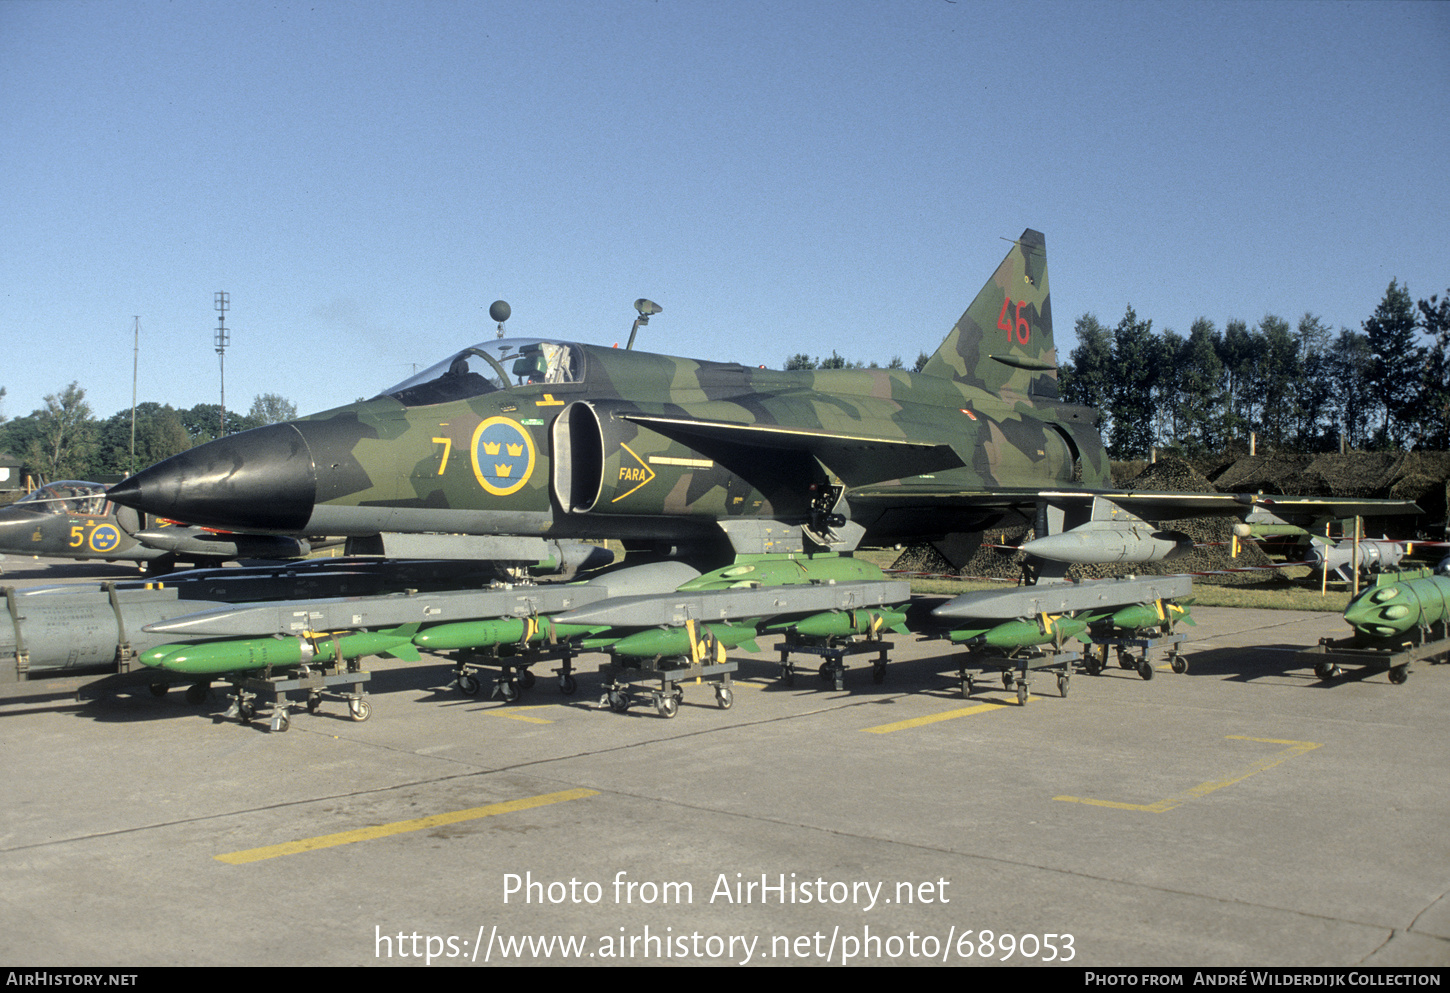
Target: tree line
(64, 440)
(1301, 388)
(1298, 388)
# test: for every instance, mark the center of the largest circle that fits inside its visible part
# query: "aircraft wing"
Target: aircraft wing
(858, 460)
(1155, 506)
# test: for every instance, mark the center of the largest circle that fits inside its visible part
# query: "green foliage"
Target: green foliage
(1087, 380)
(158, 435)
(1201, 389)
(1434, 320)
(1396, 373)
(65, 439)
(269, 408)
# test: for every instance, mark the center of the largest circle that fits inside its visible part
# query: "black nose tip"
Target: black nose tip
(259, 480)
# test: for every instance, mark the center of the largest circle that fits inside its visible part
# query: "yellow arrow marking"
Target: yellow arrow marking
(401, 827)
(650, 473)
(1203, 789)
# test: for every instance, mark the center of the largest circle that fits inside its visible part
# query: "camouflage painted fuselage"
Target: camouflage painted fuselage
(532, 437)
(644, 440)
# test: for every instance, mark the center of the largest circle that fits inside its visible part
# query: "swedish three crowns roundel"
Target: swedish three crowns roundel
(503, 456)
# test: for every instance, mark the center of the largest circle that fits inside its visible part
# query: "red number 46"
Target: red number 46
(1023, 327)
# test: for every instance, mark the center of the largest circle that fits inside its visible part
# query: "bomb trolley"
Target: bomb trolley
(313, 680)
(705, 660)
(832, 651)
(1394, 655)
(1096, 648)
(514, 664)
(622, 673)
(1016, 666)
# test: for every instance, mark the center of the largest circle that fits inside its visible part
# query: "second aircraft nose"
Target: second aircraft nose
(259, 480)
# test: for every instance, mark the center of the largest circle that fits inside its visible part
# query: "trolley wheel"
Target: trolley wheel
(1399, 673)
(1180, 664)
(314, 702)
(246, 709)
(1021, 694)
(724, 697)
(360, 709)
(1326, 670)
(1006, 679)
(667, 704)
(1094, 665)
(1145, 668)
(526, 679)
(567, 685)
(1062, 683)
(878, 672)
(824, 672)
(506, 690)
(618, 701)
(468, 684)
(281, 722)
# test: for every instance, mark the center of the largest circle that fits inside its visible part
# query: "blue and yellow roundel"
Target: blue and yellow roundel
(104, 538)
(503, 456)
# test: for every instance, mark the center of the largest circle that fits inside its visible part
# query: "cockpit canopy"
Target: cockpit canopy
(489, 367)
(66, 496)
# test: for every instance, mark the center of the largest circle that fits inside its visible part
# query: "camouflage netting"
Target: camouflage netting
(1420, 476)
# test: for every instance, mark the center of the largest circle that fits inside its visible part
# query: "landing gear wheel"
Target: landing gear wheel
(1145, 669)
(1399, 673)
(667, 704)
(724, 697)
(1180, 664)
(360, 709)
(468, 684)
(567, 685)
(196, 693)
(159, 689)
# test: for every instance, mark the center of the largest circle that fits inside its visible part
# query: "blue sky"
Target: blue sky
(365, 178)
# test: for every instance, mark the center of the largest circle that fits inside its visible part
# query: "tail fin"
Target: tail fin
(1003, 343)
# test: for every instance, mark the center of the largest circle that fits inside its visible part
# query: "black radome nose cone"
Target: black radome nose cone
(258, 480)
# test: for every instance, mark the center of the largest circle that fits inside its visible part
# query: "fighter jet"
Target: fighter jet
(76, 519)
(702, 460)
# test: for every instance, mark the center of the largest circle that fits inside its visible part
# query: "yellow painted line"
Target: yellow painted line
(684, 463)
(1203, 789)
(948, 715)
(512, 713)
(400, 827)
